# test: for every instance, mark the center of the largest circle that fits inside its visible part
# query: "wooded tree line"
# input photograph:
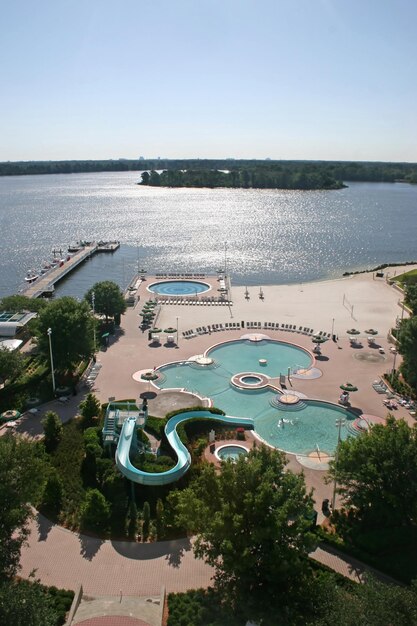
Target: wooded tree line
(335, 170)
(309, 177)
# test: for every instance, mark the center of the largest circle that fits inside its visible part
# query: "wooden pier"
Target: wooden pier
(45, 284)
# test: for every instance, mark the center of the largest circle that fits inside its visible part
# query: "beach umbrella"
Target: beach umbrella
(157, 330)
(319, 339)
(371, 331)
(353, 331)
(348, 387)
(170, 329)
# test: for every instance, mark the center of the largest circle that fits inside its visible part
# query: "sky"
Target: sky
(283, 79)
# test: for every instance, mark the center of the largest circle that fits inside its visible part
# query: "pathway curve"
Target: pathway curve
(64, 559)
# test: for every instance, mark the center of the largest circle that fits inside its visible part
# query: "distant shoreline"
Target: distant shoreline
(381, 267)
(330, 171)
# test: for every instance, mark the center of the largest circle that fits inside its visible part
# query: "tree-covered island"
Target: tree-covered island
(262, 176)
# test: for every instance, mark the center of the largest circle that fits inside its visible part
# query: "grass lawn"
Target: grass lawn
(407, 278)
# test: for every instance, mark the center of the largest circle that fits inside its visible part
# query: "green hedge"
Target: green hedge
(61, 601)
(156, 426)
(390, 550)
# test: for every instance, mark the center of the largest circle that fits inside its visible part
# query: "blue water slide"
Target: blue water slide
(127, 437)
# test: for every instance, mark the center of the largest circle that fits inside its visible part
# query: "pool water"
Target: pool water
(304, 429)
(230, 452)
(179, 287)
(251, 380)
(299, 429)
(243, 356)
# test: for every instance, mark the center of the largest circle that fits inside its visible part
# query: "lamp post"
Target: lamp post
(393, 365)
(225, 259)
(49, 331)
(339, 423)
(93, 303)
(332, 327)
(177, 332)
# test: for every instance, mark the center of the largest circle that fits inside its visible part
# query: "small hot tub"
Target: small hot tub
(232, 452)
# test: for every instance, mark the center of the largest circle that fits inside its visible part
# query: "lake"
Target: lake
(264, 236)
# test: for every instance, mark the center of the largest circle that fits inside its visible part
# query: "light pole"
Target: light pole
(332, 327)
(339, 423)
(49, 331)
(177, 333)
(225, 258)
(93, 302)
(393, 365)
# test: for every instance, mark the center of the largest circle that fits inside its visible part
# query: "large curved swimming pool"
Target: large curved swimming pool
(179, 287)
(299, 428)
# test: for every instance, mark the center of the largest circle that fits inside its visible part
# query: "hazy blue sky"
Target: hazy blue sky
(302, 79)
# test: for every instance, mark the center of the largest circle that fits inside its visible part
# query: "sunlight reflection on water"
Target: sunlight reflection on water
(272, 236)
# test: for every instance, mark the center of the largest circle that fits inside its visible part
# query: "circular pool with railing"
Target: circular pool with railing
(230, 452)
(179, 287)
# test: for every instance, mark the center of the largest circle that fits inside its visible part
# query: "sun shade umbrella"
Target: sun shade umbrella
(353, 331)
(348, 387)
(319, 339)
(170, 329)
(157, 330)
(371, 331)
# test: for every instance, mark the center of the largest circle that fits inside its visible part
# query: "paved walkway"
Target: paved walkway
(65, 559)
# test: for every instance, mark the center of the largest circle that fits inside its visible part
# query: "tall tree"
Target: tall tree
(146, 520)
(95, 511)
(19, 303)
(22, 471)
(90, 408)
(132, 520)
(377, 474)
(71, 325)
(53, 493)
(11, 364)
(407, 346)
(372, 603)
(411, 297)
(252, 527)
(108, 299)
(26, 603)
(52, 429)
(160, 521)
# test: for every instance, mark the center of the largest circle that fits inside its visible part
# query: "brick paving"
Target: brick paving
(113, 620)
(65, 559)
